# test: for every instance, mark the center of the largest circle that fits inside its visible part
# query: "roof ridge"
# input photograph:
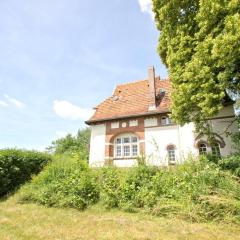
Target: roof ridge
(137, 81)
(128, 83)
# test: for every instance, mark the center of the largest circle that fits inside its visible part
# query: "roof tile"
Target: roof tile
(133, 99)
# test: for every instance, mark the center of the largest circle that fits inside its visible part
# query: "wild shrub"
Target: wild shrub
(110, 186)
(17, 167)
(231, 163)
(136, 188)
(194, 190)
(66, 182)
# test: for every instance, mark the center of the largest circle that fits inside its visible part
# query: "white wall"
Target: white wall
(97, 145)
(221, 125)
(158, 138)
(125, 163)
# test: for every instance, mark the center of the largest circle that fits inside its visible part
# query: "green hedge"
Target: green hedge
(17, 166)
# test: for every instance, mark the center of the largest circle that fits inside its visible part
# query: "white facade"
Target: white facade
(97, 145)
(157, 140)
(162, 140)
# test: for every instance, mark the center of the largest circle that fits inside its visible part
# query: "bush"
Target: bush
(66, 182)
(110, 186)
(195, 190)
(231, 163)
(17, 166)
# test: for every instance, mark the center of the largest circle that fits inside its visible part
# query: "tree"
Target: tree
(73, 144)
(200, 44)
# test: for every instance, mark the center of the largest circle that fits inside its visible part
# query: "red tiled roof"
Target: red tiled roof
(133, 99)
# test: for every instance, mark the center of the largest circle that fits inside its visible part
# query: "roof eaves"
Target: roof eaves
(89, 122)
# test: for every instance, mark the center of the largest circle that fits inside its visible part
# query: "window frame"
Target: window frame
(200, 148)
(171, 153)
(218, 151)
(122, 142)
(167, 119)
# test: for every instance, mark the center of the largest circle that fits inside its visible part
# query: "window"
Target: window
(171, 154)
(118, 151)
(126, 150)
(134, 150)
(202, 148)
(166, 120)
(126, 146)
(216, 150)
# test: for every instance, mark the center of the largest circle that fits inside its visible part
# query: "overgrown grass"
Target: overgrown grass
(196, 191)
(35, 222)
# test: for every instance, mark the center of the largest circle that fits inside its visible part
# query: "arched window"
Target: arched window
(202, 148)
(216, 150)
(125, 146)
(171, 154)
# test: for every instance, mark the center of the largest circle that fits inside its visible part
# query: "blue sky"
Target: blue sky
(60, 58)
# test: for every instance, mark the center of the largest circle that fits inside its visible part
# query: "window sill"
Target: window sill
(125, 158)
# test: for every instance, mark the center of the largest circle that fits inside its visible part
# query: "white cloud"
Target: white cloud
(146, 6)
(67, 110)
(14, 101)
(3, 104)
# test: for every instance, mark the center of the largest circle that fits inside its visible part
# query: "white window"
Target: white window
(126, 150)
(216, 150)
(118, 151)
(202, 148)
(134, 150)
(171, 154)
(126, 145)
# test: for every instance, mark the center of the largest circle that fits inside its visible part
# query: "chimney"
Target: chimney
(152, 88)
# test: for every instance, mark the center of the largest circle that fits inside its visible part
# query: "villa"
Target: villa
(135, 122)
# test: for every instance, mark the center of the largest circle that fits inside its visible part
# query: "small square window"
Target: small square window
(118, 140)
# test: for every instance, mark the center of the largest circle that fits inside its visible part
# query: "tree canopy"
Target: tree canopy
(200, 44)
(73, 144)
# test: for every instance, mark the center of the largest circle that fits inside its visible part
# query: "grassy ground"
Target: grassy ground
(33, 222)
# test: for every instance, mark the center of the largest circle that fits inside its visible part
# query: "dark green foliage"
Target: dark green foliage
(17, 166)
(72, 144)
(231, 163)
